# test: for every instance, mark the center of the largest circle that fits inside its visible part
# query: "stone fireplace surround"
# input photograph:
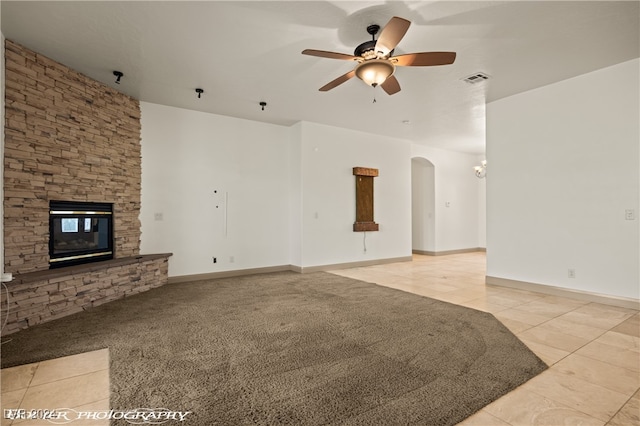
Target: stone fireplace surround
(68, 137)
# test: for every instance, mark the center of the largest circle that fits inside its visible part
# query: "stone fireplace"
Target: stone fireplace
(71, 138)
(67, 137)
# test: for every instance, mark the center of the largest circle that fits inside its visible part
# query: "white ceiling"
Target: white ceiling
(244, 52)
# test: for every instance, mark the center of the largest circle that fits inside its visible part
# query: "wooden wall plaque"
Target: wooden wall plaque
(364, 199)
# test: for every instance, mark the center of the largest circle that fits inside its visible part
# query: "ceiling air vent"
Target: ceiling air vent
(478, 77)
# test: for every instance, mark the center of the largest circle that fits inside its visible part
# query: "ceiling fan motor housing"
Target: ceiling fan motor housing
(364, 47)
(367, 46)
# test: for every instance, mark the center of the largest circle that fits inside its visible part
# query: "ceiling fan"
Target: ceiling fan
(376, 65)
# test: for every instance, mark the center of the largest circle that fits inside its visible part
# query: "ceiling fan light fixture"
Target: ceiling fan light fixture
(375, 71)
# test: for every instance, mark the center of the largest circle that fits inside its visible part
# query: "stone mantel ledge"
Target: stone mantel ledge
(66, 271)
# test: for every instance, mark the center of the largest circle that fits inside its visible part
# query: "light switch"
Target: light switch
(630, 214)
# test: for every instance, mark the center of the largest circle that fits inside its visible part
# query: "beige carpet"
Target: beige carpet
(287, 348)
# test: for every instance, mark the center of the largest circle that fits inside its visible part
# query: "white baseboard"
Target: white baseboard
(280, 268)
(623, 302)
(226, 274)
(319, 268)
(446, 252)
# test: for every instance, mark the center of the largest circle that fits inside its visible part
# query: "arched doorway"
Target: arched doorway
(423, 206)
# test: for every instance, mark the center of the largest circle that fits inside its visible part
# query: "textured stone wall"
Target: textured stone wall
(36, 298)
(67, 137)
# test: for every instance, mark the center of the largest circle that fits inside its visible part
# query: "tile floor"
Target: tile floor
(78, 382)
(593, 351)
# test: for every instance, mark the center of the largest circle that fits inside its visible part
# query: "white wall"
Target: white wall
(295, 194)
(563, 166)
(457, 198)
(186, 156)
(328, 155)
(291, 193)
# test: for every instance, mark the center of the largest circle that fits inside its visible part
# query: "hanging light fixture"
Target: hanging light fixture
(375, 71)
(481, 170)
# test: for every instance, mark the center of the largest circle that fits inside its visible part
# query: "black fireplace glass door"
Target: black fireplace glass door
(80, 233)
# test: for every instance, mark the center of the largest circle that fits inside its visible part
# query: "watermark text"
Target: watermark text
(135, 416)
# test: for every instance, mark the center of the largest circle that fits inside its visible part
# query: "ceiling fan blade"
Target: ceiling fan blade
(424, 59)
(331, 55)
(391, 34)
(391, 85)
(338, 81)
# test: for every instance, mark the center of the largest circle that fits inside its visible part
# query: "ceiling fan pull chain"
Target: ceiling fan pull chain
(374, 95)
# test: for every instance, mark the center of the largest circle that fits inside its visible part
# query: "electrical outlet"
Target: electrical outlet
(630, 214)
(571, 273)
(215, 259)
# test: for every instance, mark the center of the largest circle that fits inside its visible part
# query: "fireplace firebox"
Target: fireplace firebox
(79, 232)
